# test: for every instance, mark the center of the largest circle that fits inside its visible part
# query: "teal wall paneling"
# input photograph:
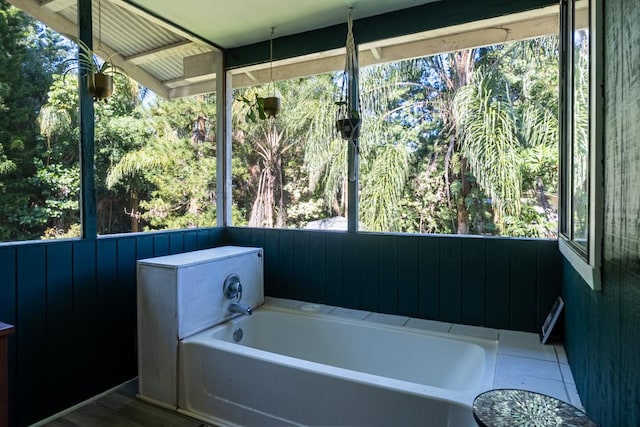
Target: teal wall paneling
(84, 291)
(595, 341)
(602, 329)
(7, 284)
(473, 281)
(301, 282)
(351, 271)
(144, 247)
(59, 326)
(285, 264)
(204, 239)
(272, 274)
(450, 280)
(523, 285)
(176, 244)
(546, 261)
(31, 333)
(73, 303)
(629, 333)
(387, 265)
(497, 277)
(317, 267)
(370, 270)
(403, 274)
(190, 241)
(126, 291)
(408, 267)
(333, 269)
(161, 245)
(256, 238)
(429, 278)
(107, 309)
(85, 348)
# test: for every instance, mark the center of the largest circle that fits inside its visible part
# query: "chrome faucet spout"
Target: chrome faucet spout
(241, 308)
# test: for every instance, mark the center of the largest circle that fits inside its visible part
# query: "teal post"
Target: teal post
(87, 175)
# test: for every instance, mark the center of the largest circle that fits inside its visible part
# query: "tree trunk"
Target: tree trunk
(461, 206)
(135, 216)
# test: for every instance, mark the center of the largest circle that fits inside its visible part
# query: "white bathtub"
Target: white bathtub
(295, 368)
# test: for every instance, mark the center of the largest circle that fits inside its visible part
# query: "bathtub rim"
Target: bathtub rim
(463, 397)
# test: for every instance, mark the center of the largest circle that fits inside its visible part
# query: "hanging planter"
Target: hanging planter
(99, 74)
(100, 85)
(348, 121)
(264, 107)
(271, 106)
(347, 125)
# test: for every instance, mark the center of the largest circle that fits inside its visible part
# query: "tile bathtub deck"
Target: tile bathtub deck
(522, 362)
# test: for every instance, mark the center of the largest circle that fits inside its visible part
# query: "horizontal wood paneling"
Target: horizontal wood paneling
(73, 304)
(496, 282)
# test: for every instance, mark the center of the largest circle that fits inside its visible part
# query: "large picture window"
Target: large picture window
(581, 168)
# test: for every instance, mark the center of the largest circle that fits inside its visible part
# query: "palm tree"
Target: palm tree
(130, 172)
(463, 118)
(268, 208)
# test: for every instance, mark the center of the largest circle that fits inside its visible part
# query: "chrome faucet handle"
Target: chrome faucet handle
(232, 288)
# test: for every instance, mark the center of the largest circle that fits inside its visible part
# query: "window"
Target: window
(581, 138)
(464, 142)
(415, 173)
(39, 168)
(155, 161)
(289, 171)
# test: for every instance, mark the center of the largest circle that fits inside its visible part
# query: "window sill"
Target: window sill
(588, 272)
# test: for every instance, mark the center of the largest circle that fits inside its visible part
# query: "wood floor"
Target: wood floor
(121, 408)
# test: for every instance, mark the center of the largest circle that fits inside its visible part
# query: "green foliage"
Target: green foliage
(88, 62)
(444, 148)
(29, 55)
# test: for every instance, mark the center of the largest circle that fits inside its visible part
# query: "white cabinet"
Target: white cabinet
(179, 295)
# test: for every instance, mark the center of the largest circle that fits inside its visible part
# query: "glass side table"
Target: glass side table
(512, 407)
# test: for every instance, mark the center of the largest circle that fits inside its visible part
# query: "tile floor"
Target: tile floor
(522, 361)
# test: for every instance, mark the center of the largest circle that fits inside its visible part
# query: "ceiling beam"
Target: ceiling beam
(135, 72)
(377, 53)
(63, 26)
(42, 14)
(208, 86)
(160, 52)
(197, 68)
(58, 5)
(485, 33)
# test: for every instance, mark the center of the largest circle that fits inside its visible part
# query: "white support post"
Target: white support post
(224, 98)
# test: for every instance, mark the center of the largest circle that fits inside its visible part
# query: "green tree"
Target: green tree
(171, 174)
(30, 54)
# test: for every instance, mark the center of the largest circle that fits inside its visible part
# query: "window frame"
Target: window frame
(586, 261)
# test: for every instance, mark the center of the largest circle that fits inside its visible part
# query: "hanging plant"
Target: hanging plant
(271, 106)
(99, 74)
(347, 123)
(271, 103)
(261, 107)
(264, 107)
(348, 120)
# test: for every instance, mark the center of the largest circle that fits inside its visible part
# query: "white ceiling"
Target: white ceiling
(234, 23)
